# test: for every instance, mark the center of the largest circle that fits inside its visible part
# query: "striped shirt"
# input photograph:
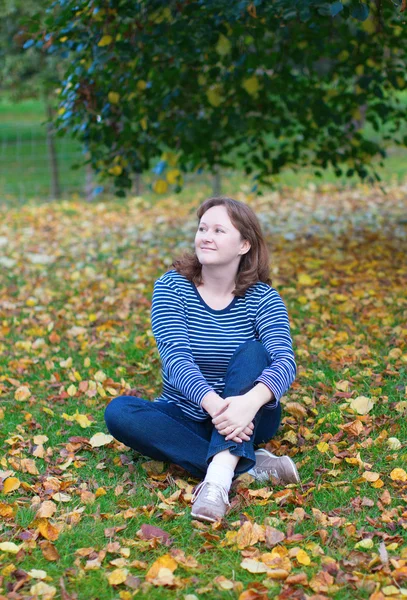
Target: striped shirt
(196, 342)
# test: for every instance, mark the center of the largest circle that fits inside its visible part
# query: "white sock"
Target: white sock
(220, 474)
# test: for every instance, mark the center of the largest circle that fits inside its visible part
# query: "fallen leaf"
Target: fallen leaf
(100, 439)
(253, 566)
(165, 562)
(148, 532)
(11, 484)
(303, 558)
(22, 393)
(9, 547)
(398, 475)
(117, 576)
(361, 405)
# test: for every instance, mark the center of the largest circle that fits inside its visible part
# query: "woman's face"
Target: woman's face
(217, 241)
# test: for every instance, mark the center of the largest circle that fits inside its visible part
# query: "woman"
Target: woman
(224, 340)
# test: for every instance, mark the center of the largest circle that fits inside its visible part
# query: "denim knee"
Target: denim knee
(116, 413)
(252, 349)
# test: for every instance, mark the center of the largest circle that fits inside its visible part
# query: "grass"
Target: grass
(345, 323)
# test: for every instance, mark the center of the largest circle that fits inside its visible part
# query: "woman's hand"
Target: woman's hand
(213, 404)
(236, 417)
(245, 435)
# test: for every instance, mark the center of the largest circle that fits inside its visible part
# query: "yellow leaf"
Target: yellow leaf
(378, 484)
(371, 476)
(395, 353)
(223, 46)
(291, 437)
(161, 568)
(303, 558)
(116, 170)
(141, 85)
(391, 590)
(251, 85)
(100, 439)
(361, 405)
(105, 40)
(304, 279)
(367, 543)
(173, 175)
(160, 186)
(323, 447)
(113, 97)
(214, 95)
(11, 484)
(9, 547)
(71, 391)
(43, 590)
(143, 123)
(82, 420)
(22, 393)
(118, 576)
(398, 475)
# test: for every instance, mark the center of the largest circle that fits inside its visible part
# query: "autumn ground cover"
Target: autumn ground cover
(82, 516)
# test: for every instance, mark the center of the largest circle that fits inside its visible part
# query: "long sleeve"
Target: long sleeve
(272, 326)
(170, 331)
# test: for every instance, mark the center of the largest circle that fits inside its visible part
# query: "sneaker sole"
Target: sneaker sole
(203, 518)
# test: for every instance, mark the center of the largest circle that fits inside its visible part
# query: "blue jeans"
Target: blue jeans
(163, 432)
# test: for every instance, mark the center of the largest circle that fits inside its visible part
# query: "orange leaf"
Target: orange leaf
(48, 550)
(47, 530)
(165, 562)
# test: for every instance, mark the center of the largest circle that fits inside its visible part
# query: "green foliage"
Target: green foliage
(209, 82)
(26, 68)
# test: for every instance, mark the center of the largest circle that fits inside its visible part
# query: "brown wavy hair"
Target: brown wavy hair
(254, 266)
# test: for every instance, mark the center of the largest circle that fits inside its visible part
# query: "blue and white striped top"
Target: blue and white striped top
(196, 342)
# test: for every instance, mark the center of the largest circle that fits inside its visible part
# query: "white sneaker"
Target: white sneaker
(269, 465)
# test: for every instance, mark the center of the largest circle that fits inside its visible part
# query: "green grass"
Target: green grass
(121, 347)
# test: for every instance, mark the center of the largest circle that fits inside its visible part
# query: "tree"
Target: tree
(27, 70)
(273, 84)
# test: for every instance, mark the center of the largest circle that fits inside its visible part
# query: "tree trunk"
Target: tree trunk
(137, 184)
(217, 184)
(89, 183)
(52, 152)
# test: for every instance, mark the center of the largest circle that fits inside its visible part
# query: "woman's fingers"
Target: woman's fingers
(234, 433)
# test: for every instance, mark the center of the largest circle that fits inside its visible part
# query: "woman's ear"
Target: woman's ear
(245, 248)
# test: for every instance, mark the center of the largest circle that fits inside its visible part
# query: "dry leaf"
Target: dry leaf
(11, 484)
(361, 405)
(254, 566)
(9, 547)
(100, 439)
(398, 475)
(117, 576)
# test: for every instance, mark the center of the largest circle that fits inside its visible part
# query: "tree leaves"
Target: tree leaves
(188, 83)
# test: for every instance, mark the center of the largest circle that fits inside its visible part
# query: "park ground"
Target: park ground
(83, 516)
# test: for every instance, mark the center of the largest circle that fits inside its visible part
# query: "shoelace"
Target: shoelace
(265, 473)
(214, 492)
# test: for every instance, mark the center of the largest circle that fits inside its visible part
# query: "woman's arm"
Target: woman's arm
(273, 328)
(170, 331)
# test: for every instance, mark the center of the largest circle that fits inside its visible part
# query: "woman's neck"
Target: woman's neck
(218, 282)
